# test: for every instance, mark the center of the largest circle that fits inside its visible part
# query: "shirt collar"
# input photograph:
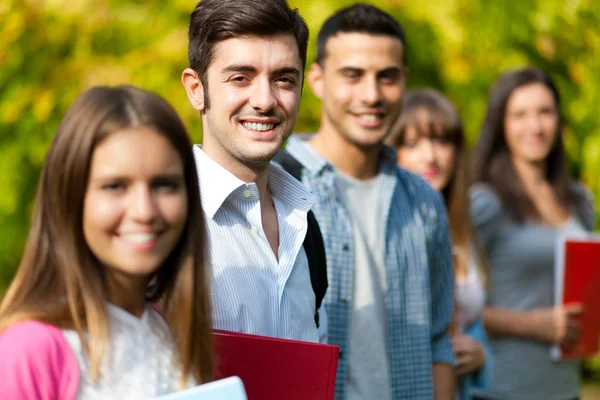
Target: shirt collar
(299, 148)
(316, 164)
(218, 184)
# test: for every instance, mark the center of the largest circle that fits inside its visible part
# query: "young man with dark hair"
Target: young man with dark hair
(386, 234)
(247, 60)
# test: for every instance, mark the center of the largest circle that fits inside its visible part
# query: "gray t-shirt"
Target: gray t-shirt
(368, 365)
(521, 260)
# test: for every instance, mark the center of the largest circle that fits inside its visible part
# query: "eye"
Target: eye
(547, 111)
(389, 77)
(518, 114)
(239, 79)
(351, 75)
(165, 184)
(409, 144)
(113, 186)
(443, 140)
(286, 81)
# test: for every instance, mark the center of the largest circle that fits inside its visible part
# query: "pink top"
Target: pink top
(36, 362)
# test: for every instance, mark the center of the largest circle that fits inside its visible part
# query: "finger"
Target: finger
(574, 330)
(572, 335)
(573, 309)
(461, 343)
(569, 341)
(458, 348)
(463, 370)
(464, 358)
(462, 364)
(574, 326)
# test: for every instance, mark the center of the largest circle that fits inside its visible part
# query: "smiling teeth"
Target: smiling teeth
(258, 127)
(369, 117)
(139, 237)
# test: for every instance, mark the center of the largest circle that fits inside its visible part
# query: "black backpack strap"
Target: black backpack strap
(290, 164)
(317, 262)
(313, 242)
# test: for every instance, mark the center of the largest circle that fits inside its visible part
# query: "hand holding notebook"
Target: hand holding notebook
(577, 288)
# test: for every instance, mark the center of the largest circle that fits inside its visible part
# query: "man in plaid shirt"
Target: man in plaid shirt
(391, 279)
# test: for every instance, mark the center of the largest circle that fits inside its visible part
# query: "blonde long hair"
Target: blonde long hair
(60, 282)
(442, 120)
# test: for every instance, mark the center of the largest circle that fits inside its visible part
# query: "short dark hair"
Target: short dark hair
(214, 21)
(492, 161)
(363, 18)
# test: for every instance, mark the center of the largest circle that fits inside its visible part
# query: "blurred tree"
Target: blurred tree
(51, 50)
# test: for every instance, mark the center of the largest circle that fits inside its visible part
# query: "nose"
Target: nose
(428, 150)
(262, 97)
(535, 124)
(142, 206)
(369, 91)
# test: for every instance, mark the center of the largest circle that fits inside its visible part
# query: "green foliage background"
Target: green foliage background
(51, 50)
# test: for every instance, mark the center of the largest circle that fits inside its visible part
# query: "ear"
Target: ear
(193, 88)
(315, 78)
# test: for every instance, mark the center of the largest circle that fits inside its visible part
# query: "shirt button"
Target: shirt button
(254, 230)
(247, 193)
(344, 301)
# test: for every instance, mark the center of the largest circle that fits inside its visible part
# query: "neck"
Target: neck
(257, 173)
(532, 174)
(358, 162)
(127, 292)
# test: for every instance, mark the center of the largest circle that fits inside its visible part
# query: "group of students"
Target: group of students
(141, 243)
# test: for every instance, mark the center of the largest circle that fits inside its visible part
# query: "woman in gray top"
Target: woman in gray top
(522, 200)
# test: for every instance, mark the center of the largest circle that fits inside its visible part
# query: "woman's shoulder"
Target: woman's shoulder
(585, 207)
(30, 334)
(37, 362)
(484, 201)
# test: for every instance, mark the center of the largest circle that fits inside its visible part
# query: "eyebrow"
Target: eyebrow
(383, 71)
(252, 70)
(239, 68)
(287, 70)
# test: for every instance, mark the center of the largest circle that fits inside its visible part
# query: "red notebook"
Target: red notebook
(577, 280)
(277, 369)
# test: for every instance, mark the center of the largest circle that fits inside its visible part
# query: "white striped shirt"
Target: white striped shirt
(253, 291)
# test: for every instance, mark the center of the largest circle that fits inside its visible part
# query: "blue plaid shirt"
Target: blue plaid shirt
(419, 271)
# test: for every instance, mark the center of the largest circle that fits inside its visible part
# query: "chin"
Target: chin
(370, 139)
(257, 158)
(536, 157)
(260, 154)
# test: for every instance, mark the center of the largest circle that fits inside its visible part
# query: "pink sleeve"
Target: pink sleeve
(37, 363)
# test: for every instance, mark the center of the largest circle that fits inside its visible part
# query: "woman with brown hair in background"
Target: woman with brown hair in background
(430, 142)
(117, 225)
(523, 199)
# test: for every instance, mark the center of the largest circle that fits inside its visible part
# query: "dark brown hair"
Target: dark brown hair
(363, 18)
(434, 115)
(492, 161)
(214, 21)
(60, 282)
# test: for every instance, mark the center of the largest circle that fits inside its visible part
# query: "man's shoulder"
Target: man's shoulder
(415, 187)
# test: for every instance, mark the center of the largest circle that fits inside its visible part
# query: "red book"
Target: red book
(277, 369)
(577, 280)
